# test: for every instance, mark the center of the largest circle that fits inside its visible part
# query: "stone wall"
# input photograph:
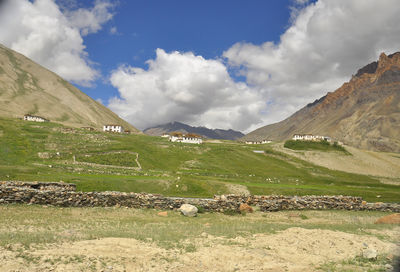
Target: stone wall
(60, 186)
(64, 194)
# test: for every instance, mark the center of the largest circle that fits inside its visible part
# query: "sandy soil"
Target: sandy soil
(364, 162)
(295, 249)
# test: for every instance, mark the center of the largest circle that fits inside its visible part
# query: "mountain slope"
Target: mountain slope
(364, 112)
(206, 132)
(28, 88)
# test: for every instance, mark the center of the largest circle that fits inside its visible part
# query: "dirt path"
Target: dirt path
(294, 249)
(364, 162)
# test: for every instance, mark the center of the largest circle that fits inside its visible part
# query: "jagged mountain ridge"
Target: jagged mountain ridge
(28, 88)
(203, 131)
(364, 112)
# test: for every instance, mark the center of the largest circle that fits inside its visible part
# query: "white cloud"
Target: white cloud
(91, 20)
(326, 43)
(42, 32)
(187, 88)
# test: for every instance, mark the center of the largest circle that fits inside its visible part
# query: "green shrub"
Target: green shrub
(200, 209)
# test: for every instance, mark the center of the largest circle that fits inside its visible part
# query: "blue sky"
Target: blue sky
(206, 28)
(221, 64)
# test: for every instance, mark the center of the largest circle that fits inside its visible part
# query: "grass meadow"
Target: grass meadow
(32, 151)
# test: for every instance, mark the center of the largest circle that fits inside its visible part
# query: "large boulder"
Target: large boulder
(188, 210)
(389, 219)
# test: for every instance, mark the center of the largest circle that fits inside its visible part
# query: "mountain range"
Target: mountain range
(28, 88)
(364, 112)
(203, 131)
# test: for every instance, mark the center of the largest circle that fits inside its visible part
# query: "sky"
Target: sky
(222, 64)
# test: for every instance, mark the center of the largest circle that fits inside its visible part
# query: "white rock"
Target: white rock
(389, 267)
(370, 253)
(188, 210)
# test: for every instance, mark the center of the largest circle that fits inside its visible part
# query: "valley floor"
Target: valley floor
(37, 238)
(379, 164)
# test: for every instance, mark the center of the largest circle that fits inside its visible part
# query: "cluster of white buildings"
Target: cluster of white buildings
(33, 118)
(259, 142)
(113, 128)
(310, 137)
(189, 138)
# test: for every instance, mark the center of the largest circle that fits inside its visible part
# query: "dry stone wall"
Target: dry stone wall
(64, 194)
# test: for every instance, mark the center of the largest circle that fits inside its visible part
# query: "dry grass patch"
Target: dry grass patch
(36, 238)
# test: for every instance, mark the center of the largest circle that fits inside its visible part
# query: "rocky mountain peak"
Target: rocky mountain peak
(363, 112)
(368, 75)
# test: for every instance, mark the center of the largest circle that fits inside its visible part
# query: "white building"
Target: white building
(310, 137)
(258, 142)
(28, 117)
(188, 138)
(165, 135)
(253, 142)
(113, 128)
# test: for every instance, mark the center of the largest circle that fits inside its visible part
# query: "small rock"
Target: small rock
(204, 235)
(245, 208)
(223, 198)
(370, 253)
(109, 269)
(163, 214)
(188, 210)
(389, 219)
(389, 267)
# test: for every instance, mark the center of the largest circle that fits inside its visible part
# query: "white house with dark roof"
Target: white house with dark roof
(113, 128)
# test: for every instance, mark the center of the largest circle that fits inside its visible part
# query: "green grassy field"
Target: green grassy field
(318, 145)
(45, 152)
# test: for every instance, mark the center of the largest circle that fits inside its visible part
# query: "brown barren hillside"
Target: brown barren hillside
(28, 88)
(364, 112)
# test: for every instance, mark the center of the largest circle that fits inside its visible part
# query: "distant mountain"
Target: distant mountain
(203, 131)
(28, 88)
(364, 112)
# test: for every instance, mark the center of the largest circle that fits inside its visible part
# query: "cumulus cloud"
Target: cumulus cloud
(51, 37)
(91, 20)
(187, 88)
(326, 43)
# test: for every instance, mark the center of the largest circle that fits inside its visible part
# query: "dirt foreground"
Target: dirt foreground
(35, 238)
(295, 249)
